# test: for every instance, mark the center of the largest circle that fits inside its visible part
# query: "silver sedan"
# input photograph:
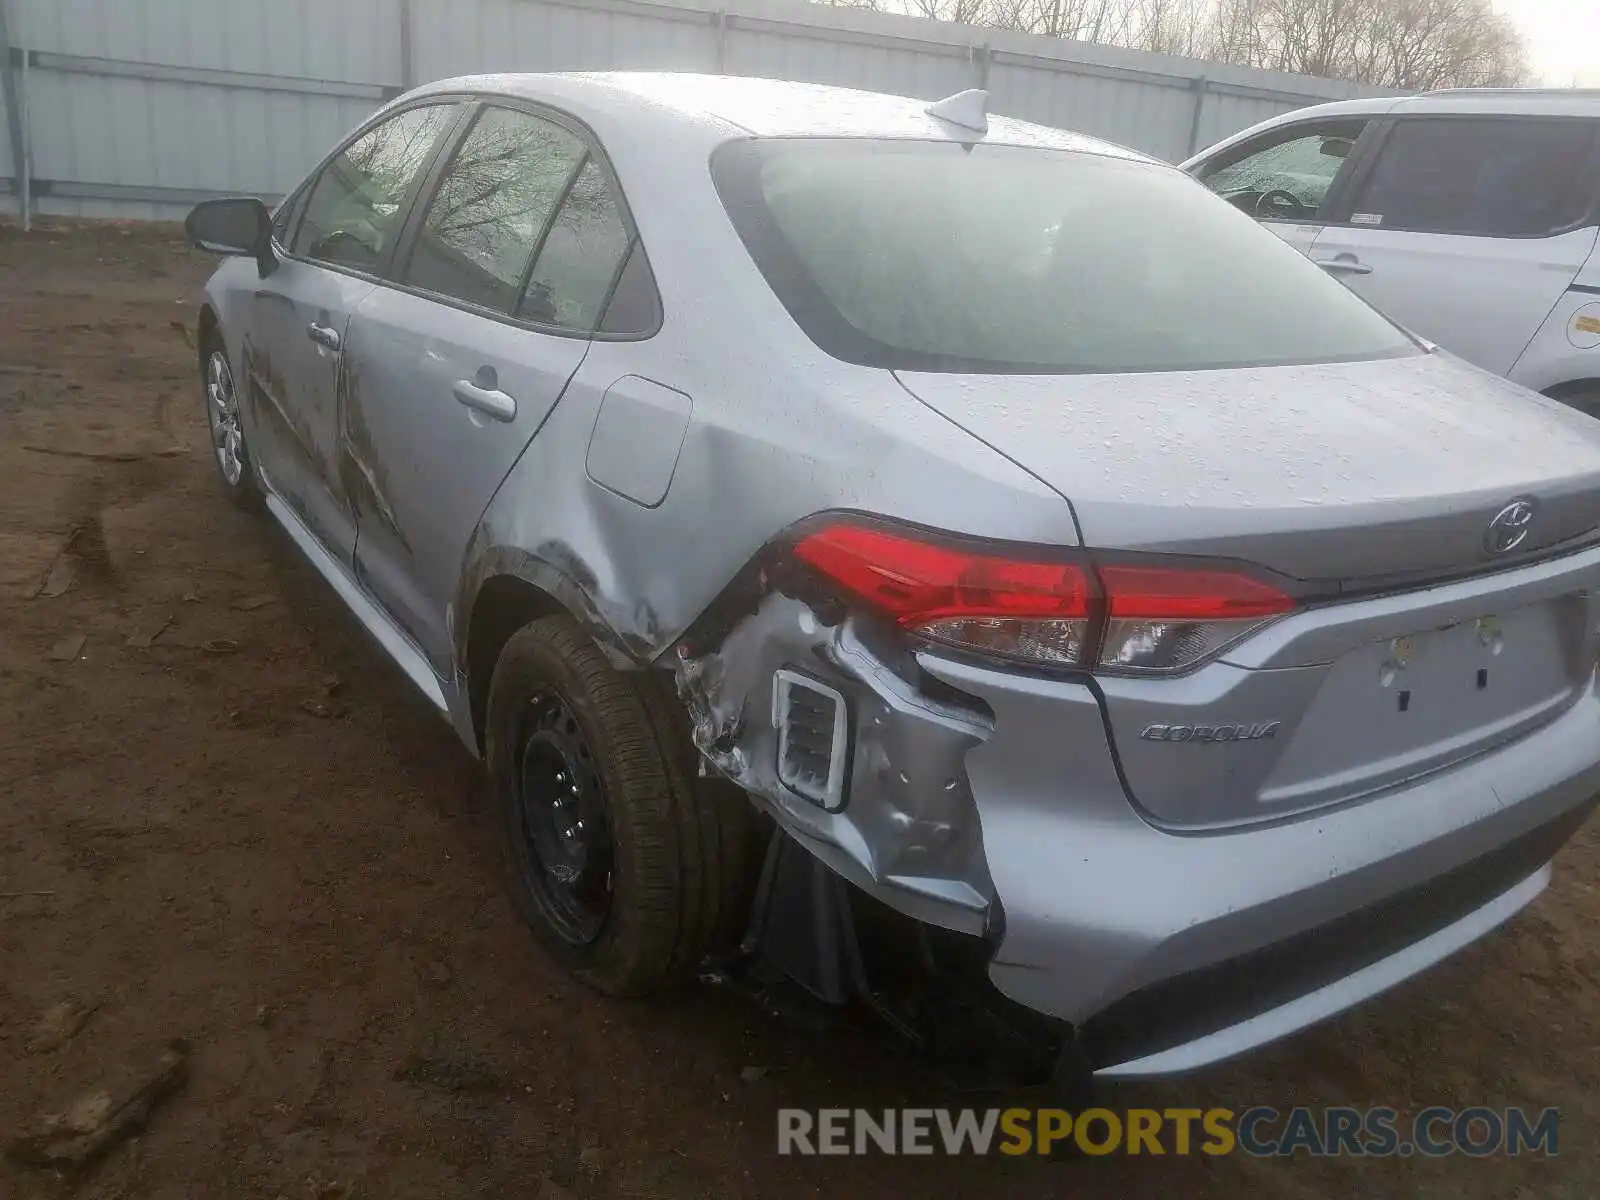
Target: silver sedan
(884, 541)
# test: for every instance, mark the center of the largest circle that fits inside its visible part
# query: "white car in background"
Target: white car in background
(1468, 216)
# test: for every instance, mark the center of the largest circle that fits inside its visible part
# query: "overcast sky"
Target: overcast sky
(1563, 36)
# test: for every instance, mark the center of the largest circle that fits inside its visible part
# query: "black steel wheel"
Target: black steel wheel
(626, 867)
(565, 853)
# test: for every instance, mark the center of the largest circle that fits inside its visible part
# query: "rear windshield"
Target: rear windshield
(933, 256)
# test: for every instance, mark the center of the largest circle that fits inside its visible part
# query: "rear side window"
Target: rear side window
(939, 257)
(635, 306)
(356, 207)
(492, 207)
(1512, 178)
(581, 257)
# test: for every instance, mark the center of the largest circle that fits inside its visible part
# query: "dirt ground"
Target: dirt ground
(224, 818)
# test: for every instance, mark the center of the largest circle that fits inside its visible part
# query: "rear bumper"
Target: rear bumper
(1171, 951)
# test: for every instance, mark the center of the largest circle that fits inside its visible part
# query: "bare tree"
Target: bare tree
(1408, 44)
(964, 12)
(1183, 27)
(1460, 43)
(1108, 21)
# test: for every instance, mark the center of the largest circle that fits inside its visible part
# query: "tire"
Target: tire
(225, 428)
(613, 748)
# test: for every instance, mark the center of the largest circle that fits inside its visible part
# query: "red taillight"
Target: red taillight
(1045, 609)
(919, 582)
(1033, 610)
(1189, 594)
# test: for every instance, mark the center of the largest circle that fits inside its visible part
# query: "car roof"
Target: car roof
(1506, 102)
(1538, 102)
(740, 106)
(1574, 102)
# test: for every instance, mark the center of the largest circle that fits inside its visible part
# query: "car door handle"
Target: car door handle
(486, 400)
(323, 335)
(1343, 266)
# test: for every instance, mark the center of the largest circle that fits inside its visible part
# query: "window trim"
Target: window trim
(290, 207)
(593, 151)
(1589, 177)
(1338, 187)
(550, 223)
(461, 100)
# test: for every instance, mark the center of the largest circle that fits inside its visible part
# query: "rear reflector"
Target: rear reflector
(1053, 609)
(812, 737)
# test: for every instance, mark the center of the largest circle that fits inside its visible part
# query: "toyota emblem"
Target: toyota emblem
(1510, 526)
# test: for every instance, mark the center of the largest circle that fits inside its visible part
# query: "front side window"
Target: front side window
(942, 257)
(1507, 177)
(283, 218)
(1288, 179)
(492, 208)
(354, 211)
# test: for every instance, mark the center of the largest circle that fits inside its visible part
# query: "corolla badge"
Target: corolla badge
(1241, 732)
(1510, 526)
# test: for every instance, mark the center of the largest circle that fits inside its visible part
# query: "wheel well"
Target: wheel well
(504, 604)
(210, 331)
(1573, 387)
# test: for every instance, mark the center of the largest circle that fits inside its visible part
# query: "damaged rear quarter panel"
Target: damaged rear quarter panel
(908, 831)
(758, 456)
(778, 432)
(763, 451)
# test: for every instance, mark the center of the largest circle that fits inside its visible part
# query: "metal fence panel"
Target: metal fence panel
(8, 201)
(1146, 116)
(10, 118)
(140, 107)
(905, 71)
(180, 135)
(457, 38)
(348, 40)
(1224, 114)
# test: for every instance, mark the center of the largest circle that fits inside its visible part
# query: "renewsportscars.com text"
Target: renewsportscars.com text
(1258, 1131)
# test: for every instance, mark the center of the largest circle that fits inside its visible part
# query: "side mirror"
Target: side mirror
(240, 226)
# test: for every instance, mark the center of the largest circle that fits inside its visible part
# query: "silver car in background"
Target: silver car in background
(1086, 598)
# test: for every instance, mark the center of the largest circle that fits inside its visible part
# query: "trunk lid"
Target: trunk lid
(1377, 483)
(1351, 472)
